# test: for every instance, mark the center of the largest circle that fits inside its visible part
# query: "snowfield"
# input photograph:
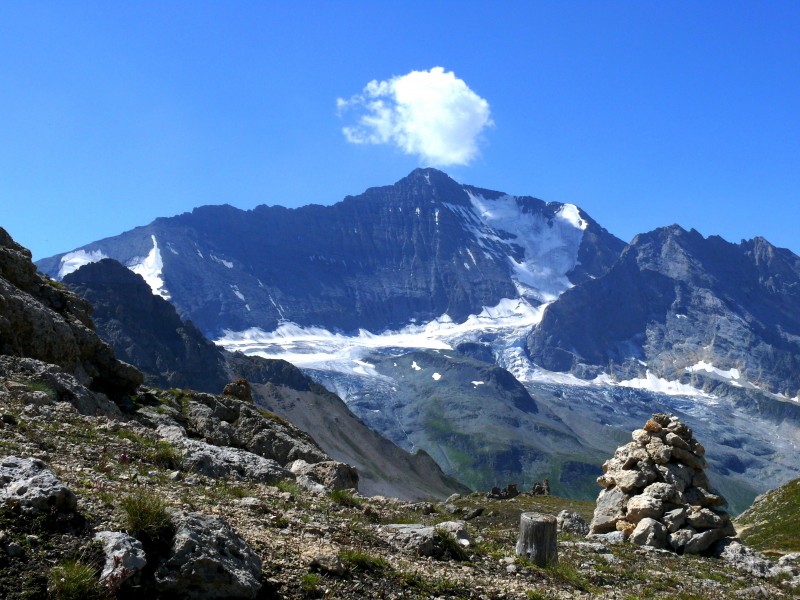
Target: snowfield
(72, 261)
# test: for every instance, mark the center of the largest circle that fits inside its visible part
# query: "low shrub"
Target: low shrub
(165, 455)
(356, 561)
(450, 546)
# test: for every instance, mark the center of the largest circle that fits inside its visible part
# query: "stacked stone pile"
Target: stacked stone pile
(656, 492)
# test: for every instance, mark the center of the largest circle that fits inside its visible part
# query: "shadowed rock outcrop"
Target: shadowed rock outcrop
(42, 320)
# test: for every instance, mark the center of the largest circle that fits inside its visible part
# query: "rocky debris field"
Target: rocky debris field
(290, 536)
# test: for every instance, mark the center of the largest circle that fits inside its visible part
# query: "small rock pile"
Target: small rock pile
(507, 493)
(656, 492)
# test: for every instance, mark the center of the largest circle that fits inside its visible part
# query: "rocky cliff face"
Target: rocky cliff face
(43, 321)
(415, 250)
(682, 307)
(146, 330)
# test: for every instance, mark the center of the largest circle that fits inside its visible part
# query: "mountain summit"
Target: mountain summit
(410, 252)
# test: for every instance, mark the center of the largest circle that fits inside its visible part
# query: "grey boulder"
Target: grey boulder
(649, 532)
(571, 522)
(208, 559)
(27, 484)
(331, 474)
(124, 557)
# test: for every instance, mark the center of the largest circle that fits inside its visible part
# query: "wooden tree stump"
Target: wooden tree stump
(537, 538)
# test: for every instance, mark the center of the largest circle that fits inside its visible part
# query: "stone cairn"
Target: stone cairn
(656, 492)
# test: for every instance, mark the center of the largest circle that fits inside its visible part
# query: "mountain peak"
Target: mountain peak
(433, 180)
(427, 173)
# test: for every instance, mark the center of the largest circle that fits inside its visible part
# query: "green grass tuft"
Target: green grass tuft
(450, 546)
(74, 580)
(165, 455)
(309, 582)
(41, 386)
(146, 517)
(356, 561)
(346, 498)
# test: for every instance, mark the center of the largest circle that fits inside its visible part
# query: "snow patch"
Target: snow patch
(150, 268)
(277, 306)
(415, 366)
(239, 295)
(364, 368)
(703, 366)
(223, 262)
(72, 261)
(474, 262)
(656, 384)
(477, 383)
(436, 376)
(572, 215)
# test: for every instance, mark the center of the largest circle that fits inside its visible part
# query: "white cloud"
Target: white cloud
(432, 114)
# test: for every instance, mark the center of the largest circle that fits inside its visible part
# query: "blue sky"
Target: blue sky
(644, 114)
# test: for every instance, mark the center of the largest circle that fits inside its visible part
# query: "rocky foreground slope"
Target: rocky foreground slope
(292, 542)
(773, 521)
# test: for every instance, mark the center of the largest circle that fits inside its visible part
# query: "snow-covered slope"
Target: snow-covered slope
(321, 349)
(549, 242)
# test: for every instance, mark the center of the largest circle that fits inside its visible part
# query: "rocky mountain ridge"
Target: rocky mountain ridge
(423, 247)
(681, 324)
(684, 308)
